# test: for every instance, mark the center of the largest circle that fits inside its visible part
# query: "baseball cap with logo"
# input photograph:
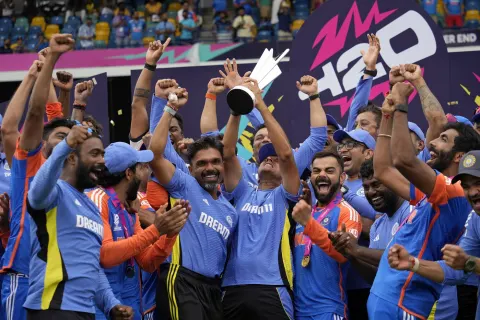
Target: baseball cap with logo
(267, 150)
(332, 121)
(120, 156)
(452, 118)
(358, 135)
(416, 129)
(470, 165)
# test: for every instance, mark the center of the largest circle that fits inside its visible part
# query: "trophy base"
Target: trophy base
(241, 100)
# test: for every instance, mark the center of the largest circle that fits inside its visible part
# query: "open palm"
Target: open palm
(370, 57)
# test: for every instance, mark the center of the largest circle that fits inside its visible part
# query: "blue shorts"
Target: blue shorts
(323, 316)
(14, 294)
(150, 315)
(379, 309)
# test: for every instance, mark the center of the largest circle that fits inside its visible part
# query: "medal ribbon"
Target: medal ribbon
(323, 214)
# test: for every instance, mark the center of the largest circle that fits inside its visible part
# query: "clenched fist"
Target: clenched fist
(308, 85)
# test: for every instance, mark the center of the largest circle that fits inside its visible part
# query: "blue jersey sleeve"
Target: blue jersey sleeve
(360, 204)
(313, 144)
(104, 297)
(43, 191)
(156, 111)
(289, 196)
(178, 185)
(255, 118)
(210, 134)
(241, 189)
(362, 92)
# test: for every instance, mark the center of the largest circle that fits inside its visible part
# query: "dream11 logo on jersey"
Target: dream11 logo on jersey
(329, 43)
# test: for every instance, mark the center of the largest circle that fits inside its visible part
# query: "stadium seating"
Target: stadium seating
(150, 33)
(31, 46)
(74, 21)
(175, 6)
(40, 22)
(147, 40)
(297, 24)
(22, 22)
(264, 36)
(100, 44)
(69, 29)
(35, 30)
(57, 20)
(106, 18)
(472, 19)
(51, 29)
(4, 31)
(6, 22)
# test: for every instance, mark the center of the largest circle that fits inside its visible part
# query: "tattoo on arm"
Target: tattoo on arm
(142, 93)
(430, 103)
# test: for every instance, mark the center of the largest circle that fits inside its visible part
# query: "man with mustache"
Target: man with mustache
(189, 282)
(66, 280)
(126, 248)
(320, 270)
(459, 261)
(261, 288)
(440, 207)
(382, 199)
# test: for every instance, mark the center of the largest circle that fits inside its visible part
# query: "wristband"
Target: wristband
(416, 265)
(372, 73)
(150, 67)
(313, 97)
(211, 96)
(170, 110)
(78, 107)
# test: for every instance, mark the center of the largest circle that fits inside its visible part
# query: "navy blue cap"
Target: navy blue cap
(470, 164)
(331, 120)
(120, 156)
(476, 117)
(416, 129)
(358, 135)
(267, 150)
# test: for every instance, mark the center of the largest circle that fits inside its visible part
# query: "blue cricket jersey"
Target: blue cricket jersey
(5, 174)
(66, 233)
(264, 225)
(203, 242)
(385, 227)
(437, 220)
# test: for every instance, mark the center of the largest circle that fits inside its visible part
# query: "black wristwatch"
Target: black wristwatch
(470, 265)
(402, 108)
(372, 73)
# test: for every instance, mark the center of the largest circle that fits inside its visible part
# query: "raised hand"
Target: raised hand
(308, 85)
(42, 54)
(454, 256)
(399, 258)
(61, 43)
(35, 68)
(182, 145)
(387, 107)
(180, 98)
(395, 76)
(164, 87)
(120, 312)
(400, 93)
(216, 85)
(370, 57)
(83, 90)
(64, 81)
(411, 72)
(77, 135)
(155, 51)
(252, 85)
(302, 212)
(231, 75)
(4, 212)
(306, 192)
(172, 221)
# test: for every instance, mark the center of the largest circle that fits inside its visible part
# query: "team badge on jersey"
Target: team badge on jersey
(6, 166)
(230, 221)
(361, 192)
(325, 221)
(395, 228)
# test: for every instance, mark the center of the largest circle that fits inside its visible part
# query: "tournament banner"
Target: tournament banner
(461, 38)
(97, 104)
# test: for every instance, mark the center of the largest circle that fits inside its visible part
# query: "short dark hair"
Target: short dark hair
(370, 107)
(366, 170)
(55, 123)
(179, 118)
(468, 139)
(329, 153)
(112, 179)
(204, 143)
(96, 125)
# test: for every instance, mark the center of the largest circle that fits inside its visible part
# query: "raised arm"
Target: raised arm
(64, 83)
(33, 126)
(162, 168)
(403, 153)
(288, 168)
(432, 109)
(163, 88)
(15, 109)
(364, 86)
(139, 124)
(208, 120)
(318, 125)
(83, 90)
(384, 170)
(233, 169)
(43, 191)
